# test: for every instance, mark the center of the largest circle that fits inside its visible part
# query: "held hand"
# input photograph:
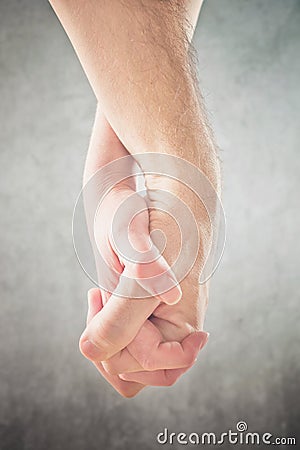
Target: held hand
(157, 336)
(133, 334)
(163, 377)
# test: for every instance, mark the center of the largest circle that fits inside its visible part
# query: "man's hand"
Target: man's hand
(156, 338)
(144, 79)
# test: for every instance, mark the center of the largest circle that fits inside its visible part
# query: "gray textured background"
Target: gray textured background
(50, 397)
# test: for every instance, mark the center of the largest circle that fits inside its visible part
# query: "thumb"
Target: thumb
(152, 272)
(131, 241)
(117, 323)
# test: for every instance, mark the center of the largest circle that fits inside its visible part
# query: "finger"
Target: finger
(132, 243)
(122, 359)
(152, 272)
(153, 354)
(111, 366)
(94, 303)
(122, 362)
(127, 389)
(115, 326)
(166, 377)
(147, 351)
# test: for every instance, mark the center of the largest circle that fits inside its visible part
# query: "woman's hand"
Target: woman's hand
(156, 338)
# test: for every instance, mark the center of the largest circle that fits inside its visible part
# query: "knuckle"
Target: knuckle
(96, 345)
(91, 352)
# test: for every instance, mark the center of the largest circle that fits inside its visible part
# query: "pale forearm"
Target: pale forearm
(104, 146)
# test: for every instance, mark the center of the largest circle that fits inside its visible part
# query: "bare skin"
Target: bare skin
(132, 325)
(166, 119)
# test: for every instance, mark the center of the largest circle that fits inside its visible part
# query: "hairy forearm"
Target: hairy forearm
(136, 57)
